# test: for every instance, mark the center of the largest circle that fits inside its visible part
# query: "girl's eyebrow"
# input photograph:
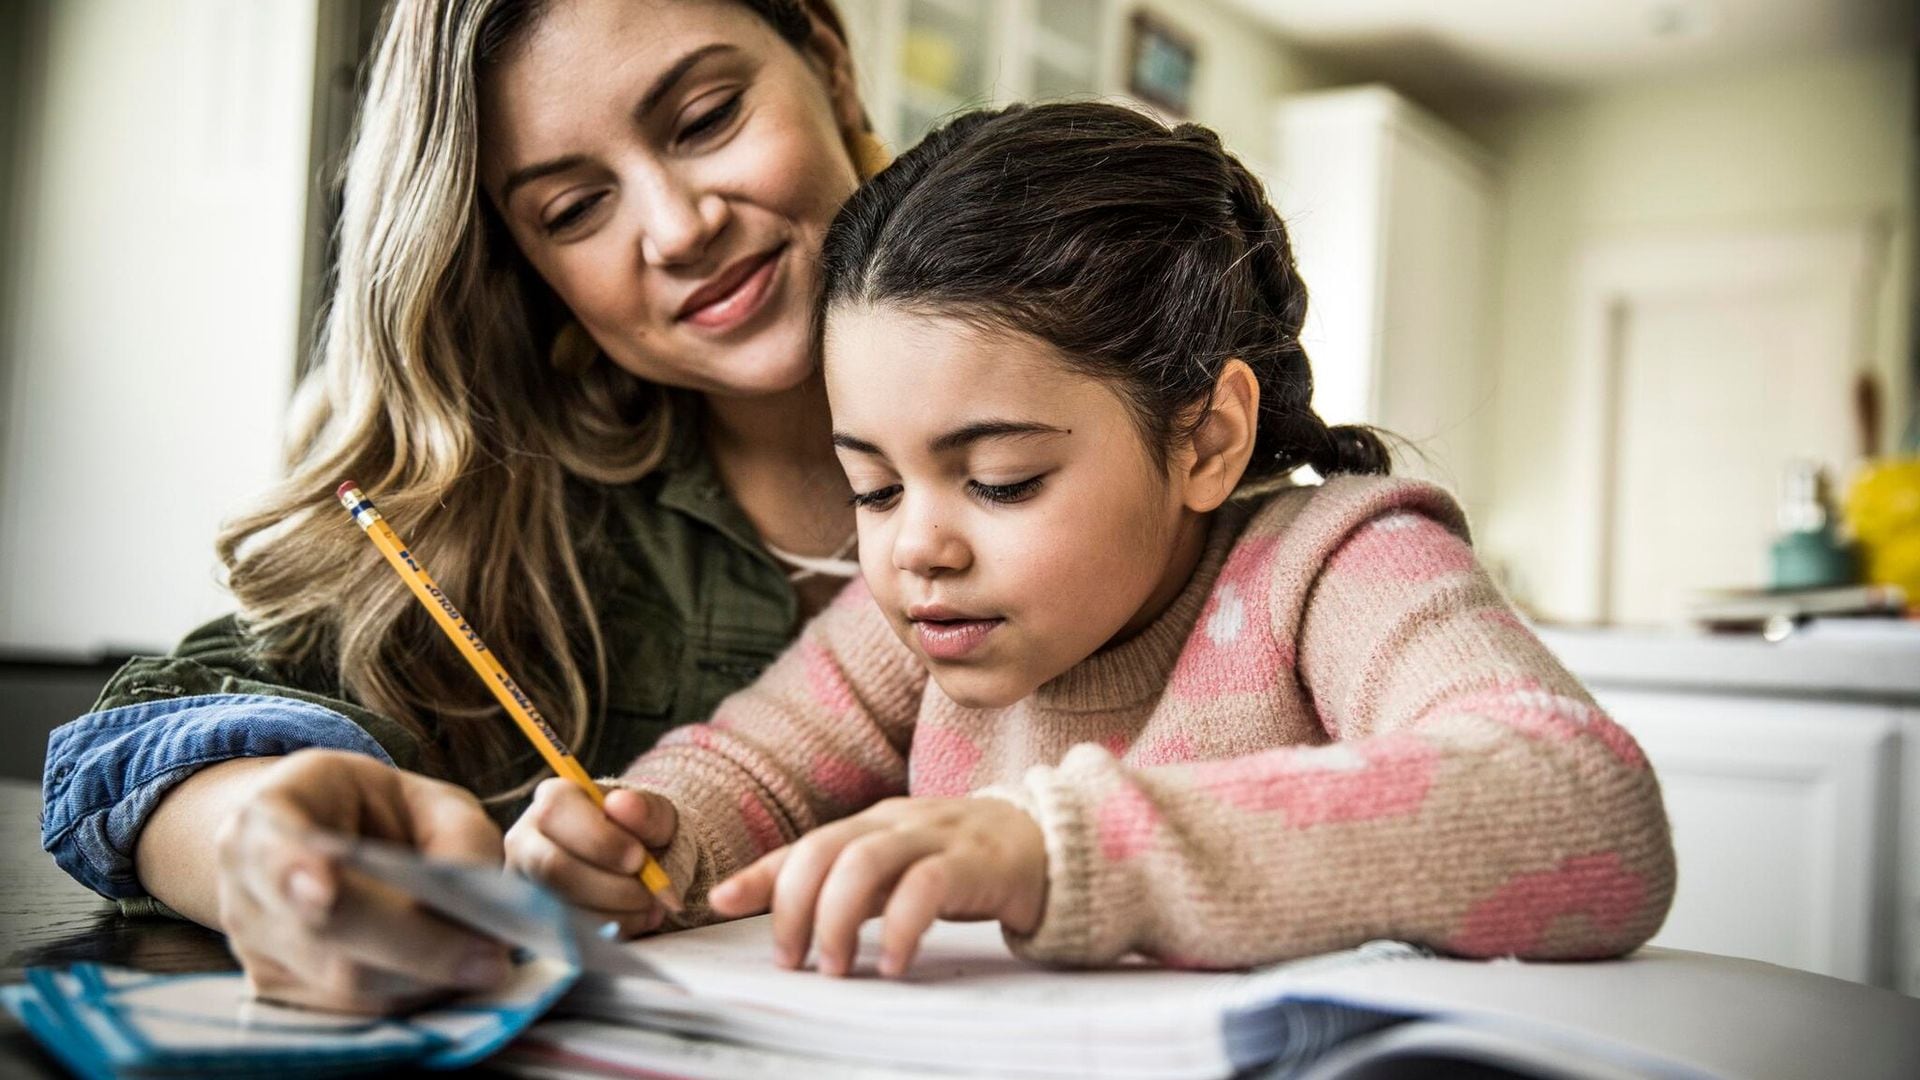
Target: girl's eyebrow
(965, 435)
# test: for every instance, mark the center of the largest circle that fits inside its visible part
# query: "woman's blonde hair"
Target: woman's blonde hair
(432, 389)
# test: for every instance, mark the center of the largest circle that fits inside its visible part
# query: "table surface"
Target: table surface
(47, 918)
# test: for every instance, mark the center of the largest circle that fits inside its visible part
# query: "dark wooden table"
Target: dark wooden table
(47, 919)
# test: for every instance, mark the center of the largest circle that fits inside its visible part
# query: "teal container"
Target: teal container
(1814, 559)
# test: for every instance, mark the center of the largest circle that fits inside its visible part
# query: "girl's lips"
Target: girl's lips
(955, 639)
(741, 302)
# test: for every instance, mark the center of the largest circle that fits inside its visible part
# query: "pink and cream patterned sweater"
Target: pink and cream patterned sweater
(1338, 731)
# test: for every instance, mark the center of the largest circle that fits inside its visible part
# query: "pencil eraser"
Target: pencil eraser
(341, 491)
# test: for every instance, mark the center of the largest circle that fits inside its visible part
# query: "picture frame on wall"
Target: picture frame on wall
(1161, 62)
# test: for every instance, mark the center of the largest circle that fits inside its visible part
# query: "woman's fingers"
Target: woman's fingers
(268, 857)
(449, 822)
(357, 948)
(383, 931)
(856, 889)
(324, 982)
(376, 952)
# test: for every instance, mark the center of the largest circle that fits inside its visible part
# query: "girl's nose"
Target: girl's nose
(926, 547)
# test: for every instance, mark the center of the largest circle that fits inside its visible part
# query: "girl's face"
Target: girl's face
(670, 168)
(1012, 520)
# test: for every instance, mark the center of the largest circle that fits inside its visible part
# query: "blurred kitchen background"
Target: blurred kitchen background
(1634, 277)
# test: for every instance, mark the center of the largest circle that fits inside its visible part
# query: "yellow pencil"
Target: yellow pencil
(480, 658)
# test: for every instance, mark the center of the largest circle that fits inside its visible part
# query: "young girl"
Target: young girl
(1139, 694)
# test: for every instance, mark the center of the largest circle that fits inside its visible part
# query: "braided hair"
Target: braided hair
(1147, 256)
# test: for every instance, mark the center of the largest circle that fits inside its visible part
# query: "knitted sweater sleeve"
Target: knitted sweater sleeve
(823, 733)
(1468, 793)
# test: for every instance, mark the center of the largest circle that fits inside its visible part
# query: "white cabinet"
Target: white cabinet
(1782, 812)
(1796, 813)
(1391, 217)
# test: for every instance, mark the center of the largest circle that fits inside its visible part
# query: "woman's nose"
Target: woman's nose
(927, 547)
(679, 222)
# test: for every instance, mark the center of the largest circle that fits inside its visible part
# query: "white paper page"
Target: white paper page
(967, 1000)
(1662, 1012)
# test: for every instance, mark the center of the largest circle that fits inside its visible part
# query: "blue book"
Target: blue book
(104, 1022)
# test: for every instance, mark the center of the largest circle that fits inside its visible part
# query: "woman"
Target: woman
(568, 352)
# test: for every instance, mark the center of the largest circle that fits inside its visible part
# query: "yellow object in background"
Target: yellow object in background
(1883, 510)
(931, 59)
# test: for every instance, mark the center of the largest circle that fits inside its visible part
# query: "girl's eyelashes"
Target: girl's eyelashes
(1019, 491)
(883, 498)
(713, 119)
(877, 499)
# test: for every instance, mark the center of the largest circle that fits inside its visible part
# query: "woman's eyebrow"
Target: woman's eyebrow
(664, 85)
(656, 93)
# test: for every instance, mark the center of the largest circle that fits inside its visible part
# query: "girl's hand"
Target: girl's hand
(590, 856)
(910, 861)
(310, 932)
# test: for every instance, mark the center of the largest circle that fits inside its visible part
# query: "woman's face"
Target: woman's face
(670, 168)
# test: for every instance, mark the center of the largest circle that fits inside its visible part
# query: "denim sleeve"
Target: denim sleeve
(106, 771)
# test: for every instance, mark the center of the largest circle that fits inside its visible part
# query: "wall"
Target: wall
(1803, 142)
(1243, 66)
(1243, 70)
(156, 287)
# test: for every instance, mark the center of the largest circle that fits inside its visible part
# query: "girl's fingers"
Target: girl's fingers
(749, 891)
(916, 902)
(856, 889)
(614, 893)
(564, 814)
(650, 817)
(796, 886)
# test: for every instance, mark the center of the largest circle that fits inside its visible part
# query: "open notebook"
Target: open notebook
(716, 1006)
(710, 1003)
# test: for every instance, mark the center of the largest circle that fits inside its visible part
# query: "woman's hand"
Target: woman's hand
(312, 933)
(591, 856)
(909, 861)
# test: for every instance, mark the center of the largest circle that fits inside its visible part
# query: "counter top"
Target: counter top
(1879, 661)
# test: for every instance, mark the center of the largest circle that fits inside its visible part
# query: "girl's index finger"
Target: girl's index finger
(749, 891)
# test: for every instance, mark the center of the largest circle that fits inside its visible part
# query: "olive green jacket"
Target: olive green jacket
(692, 608)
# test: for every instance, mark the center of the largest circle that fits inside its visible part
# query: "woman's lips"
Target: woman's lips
(738, 303)
(953, 639)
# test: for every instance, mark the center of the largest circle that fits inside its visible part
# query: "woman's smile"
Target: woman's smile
(735, 294)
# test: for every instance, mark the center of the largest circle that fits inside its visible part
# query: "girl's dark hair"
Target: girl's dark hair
(1146, 256)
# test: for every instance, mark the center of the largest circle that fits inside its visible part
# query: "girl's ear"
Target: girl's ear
(1223, 443)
